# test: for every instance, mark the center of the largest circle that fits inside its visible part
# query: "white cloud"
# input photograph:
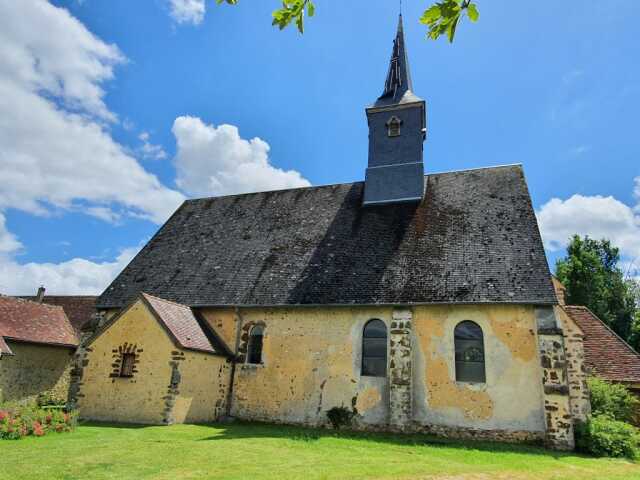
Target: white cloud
(150, 151)
(213, 161)
(56, 147)
(188, 11)
(74, 277)
(8, 242)
(596, 216)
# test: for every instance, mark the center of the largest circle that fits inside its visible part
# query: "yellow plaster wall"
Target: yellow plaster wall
(224, 323)
(203, 388)
(34, 369)
(132, 400)
(199, 397)
(511, 398)
(311, 364)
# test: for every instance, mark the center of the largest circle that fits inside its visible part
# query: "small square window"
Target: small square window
(126, 368)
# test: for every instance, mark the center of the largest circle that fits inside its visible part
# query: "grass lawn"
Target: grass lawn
(254, 451)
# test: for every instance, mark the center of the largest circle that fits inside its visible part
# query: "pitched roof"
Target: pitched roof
(185, 327)
(474, 238)
(79, 308)
(605, 352)
(26, 321)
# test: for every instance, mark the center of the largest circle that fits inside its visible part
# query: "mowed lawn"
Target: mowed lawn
(255, 451)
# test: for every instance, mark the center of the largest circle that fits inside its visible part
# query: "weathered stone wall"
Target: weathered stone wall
(555, 382)
(400, 377)
(510, 398)
(576, 368)
(312, 361)
(34, 369)
(168, 385)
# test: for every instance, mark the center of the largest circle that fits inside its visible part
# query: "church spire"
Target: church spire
(398, 82)
(397, 129)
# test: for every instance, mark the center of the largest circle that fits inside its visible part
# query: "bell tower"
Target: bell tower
(397, 129)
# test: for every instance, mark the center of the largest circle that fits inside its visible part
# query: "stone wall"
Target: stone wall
(34, 369)
(576, 368)
(555, 382)
(168, 386)
(312, 361)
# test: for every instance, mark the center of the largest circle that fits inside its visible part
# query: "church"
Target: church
(418, 302)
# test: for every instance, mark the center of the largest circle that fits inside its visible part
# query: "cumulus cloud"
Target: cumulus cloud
(187, 11)
(213, 161)
(596, 216)
(150, 151)
(77, 276)
(57, 150)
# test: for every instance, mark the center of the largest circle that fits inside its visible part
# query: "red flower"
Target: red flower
(3, 415)
(38, 431)
(48, 419)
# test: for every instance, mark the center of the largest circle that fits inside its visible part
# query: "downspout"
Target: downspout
(234, 361)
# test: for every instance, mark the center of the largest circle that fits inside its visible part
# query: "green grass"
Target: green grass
(255, 451)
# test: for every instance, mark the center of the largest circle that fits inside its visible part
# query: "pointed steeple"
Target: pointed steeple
(397, 130)
(398, 87)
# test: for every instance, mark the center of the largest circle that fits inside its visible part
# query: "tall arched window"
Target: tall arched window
(254, 349)
(374, 349)
(469, 352)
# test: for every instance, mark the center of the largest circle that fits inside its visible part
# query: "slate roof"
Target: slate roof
(26, 321)
(79, 308)
(473, 239)
(605, 352)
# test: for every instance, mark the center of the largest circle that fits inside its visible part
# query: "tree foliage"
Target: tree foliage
(592, 276)
(441, 18)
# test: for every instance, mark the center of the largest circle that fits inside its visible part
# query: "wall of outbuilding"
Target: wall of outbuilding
(169, 385)
(34, 369)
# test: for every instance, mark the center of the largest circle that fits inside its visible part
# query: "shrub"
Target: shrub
(17, 421)
(603, 436)
(341, 416)
(48, 399)
(612, 400)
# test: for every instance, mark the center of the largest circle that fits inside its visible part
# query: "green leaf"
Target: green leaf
(473, 13)
(431, 15)
(311, 8)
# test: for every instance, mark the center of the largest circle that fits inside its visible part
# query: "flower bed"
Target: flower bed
(18, 421)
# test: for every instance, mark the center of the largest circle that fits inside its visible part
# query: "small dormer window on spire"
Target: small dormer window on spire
(393, 126)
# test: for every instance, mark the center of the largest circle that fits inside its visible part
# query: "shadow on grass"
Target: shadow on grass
(242, 430)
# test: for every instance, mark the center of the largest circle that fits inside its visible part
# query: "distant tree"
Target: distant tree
(441, 18)
(591, 274)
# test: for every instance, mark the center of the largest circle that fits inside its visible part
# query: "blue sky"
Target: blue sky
(552, 85)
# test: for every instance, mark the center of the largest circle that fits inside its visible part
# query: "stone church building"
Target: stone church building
(422, 302)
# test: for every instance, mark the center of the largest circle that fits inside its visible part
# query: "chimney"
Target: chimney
(40, 294)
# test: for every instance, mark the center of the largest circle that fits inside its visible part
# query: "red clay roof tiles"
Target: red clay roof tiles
(26, 321)
(181, 323)
(605, 353)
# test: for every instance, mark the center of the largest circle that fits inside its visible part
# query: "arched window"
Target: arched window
(393, 126)
(469, 352)
(374, 349)
(254, 349)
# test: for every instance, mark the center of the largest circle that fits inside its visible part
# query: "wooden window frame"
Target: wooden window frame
(127, 365)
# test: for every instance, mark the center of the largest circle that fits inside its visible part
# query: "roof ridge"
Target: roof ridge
(326, 185)
(165, 300)
(24, 300)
